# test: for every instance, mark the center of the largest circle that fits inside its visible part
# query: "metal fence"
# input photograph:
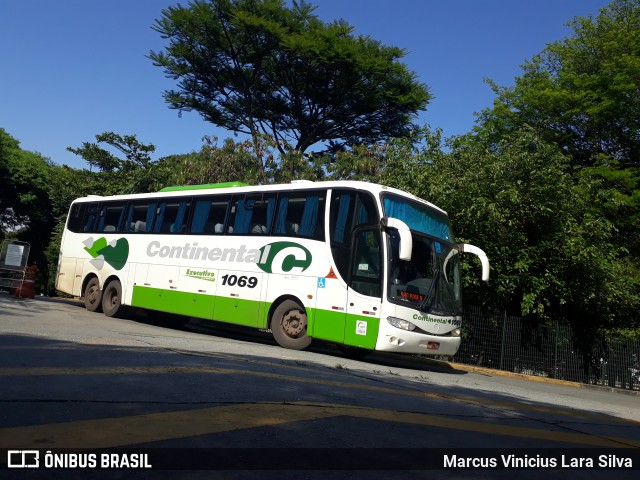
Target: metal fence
(505, 342)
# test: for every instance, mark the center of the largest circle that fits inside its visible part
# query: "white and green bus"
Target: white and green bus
(362, 265)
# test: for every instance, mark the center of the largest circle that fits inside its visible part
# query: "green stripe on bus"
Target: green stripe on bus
(206, 186)
(231, 310)
(182, 303)
(237, 311)
(327, 325)
(361, 335)
(335, 326)
(354, 330)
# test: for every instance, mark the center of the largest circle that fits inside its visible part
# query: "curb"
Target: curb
(531, 378)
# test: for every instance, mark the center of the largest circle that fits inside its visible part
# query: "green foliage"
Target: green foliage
(135, 172)
(565, 215)
(233, 161)
(29, 200)
(26, 183)
(583, 94)
(136, 154)
(254, 162)
(362, 162)
(36, 194)
(553, 253)
(293, 165)
(259, 67)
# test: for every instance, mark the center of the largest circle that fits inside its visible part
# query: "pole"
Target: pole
(504, 328)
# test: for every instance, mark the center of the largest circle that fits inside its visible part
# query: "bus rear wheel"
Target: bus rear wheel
(112, 299)
(93, 295)
(289, 326)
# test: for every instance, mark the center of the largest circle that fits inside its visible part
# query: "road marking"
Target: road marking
(154, 427)
(162, 370)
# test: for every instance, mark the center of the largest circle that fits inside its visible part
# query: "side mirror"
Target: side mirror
(406, 241)
(484, 260)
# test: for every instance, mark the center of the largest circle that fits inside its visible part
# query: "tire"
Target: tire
(112, 299)
(289, 326)
(93, 296)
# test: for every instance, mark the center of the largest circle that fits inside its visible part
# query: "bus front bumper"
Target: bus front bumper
(402, 341)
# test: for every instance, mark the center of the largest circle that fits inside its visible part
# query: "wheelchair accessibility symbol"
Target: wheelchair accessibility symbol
(322, 282)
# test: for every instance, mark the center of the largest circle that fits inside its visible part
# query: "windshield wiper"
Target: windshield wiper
(428, 301)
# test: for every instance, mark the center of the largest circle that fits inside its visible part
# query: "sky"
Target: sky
(72, 69)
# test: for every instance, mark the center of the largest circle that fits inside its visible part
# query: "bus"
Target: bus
(361, 265)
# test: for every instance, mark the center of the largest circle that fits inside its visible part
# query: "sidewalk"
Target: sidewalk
(532, 378)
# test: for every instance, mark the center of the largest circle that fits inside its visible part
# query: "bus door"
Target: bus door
(70, 275)
(365, 289)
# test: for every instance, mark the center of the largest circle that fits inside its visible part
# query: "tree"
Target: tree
(583, 94)
(26, 179)
(258, 67)
(9, 219)
(553, 254)
(136, 154)
(135, 173)
(233, 161)
(245, 161)
(27, 206)
(35, 199)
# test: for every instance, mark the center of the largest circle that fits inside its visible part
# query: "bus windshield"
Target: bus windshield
(430, 281)
(418, 216)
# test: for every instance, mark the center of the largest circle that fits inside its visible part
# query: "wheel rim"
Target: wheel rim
(293, 323)
(113, 297)
(92, 295)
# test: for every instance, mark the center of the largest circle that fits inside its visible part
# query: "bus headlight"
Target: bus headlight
(456, 333)
(401, 324)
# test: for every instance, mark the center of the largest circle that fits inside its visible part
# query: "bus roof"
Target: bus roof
(239, 187)
(206, 186)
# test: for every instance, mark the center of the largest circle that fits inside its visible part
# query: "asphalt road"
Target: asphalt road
(231, 402)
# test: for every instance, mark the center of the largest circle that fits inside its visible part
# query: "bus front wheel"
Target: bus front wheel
(93, 295)
(112, 299)
(289, 326)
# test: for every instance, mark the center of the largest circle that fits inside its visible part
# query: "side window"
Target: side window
(350, 210)
(76, 216)
(340, 219)
(209, 215)
(140, 217)
(91, 217)
(365, 263)
(365, 212)
(110, 217)
(172, 216)
(343, 206)
(252, 214)
(300, 214)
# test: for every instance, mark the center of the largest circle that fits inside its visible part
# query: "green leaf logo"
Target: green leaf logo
(115, 253)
